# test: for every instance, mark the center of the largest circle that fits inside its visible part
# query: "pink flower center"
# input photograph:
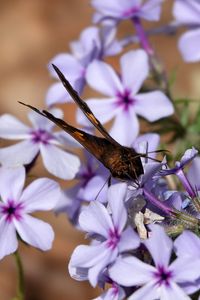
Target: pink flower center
(41, 136)
(131, 11)
(124, 100)
(113, 239)
(11, 210)
(163, 276)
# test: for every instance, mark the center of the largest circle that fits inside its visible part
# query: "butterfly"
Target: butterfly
(124, 163)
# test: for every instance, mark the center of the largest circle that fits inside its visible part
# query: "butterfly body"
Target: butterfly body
(123, 162)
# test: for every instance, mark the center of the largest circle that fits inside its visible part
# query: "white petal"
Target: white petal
(65, 139)
(19, 154)
(129, 240)
(11, 183)
(12, 128)
(8, 238)
(153, 106)
(41, 194)
(116, 199)
(101, 77)
(147, 292)
(58, 162)
(189, 45)
(151, 10)
(135, 69)
(35, 232)
(125, 127)
(172, 292)
(103, 109)
(187, 11)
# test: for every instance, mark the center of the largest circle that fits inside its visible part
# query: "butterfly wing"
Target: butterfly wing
(83, 106)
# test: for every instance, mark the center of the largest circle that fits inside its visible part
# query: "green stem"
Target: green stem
(20, 284)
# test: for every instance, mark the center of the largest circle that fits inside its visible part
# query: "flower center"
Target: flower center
(86, 175)
(163, 276)
(11, 210)
(124, 100)
(131, 11)
(41, 136)
(113, 239)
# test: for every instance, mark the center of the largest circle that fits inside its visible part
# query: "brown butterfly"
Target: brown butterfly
(123, 162)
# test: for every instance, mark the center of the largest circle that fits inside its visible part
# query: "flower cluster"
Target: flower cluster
(144, 231)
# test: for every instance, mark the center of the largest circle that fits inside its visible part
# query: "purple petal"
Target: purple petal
(113, 293)
(151, 10)
(96, 189)
(147, 292)
(189, 45)
(103, 109)
(57, 94)
(159, 237)
(129, 240)
(172, 292)
(8, 238)
(130, 271)
(125, 127)
(185, 270)
(35, 232)
(116, 199)
(65, 139)
(19, 154)
(41, 194)
(12, 128)
(95, 219)
(102, 77)
(187, 245)
(40, 122)
(138, 61)
(187, 11)
(153, 106)
(11, 183)
(147, 142)
(68, 65)
(194, 173)
(58, 162)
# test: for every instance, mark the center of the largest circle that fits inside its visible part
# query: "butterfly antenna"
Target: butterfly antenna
(107, 181)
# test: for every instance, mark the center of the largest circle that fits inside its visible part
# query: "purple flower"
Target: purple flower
(39, 138)
(92, 185)
(187, 12)
(16, 205)
(94, 43)
(113, 237)
(113, 293)
(162, 281)
(114, 9)
(122, 100)
(187, 245)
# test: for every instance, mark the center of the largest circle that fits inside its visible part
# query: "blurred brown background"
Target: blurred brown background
(32, 32)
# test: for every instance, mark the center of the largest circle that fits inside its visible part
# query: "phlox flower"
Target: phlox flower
(38, 139)
(187, 13)
(16, 205)
(94, 43)
(164, 280)
(112, 235)
(114, 9)
(122, 100)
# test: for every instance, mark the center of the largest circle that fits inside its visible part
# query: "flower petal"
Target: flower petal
(102, 77)
(35, 232)
(130, 271)
(96, 219)
(58, 162)
(138, 62)
(172, 292)
(153, 106)
(189, 45)
(11, 183)
(159, 237)
(116, 199)
(40, 122)
(125, 127)
(151, 10)
(103, 109)
(147, 143)
(147, 292)
(129, 240)
(187, 245)
(19, 154)
(185, 269)
(12, 128)
(41, 194)
(187, 11)
(57, 94)
(8, 238)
